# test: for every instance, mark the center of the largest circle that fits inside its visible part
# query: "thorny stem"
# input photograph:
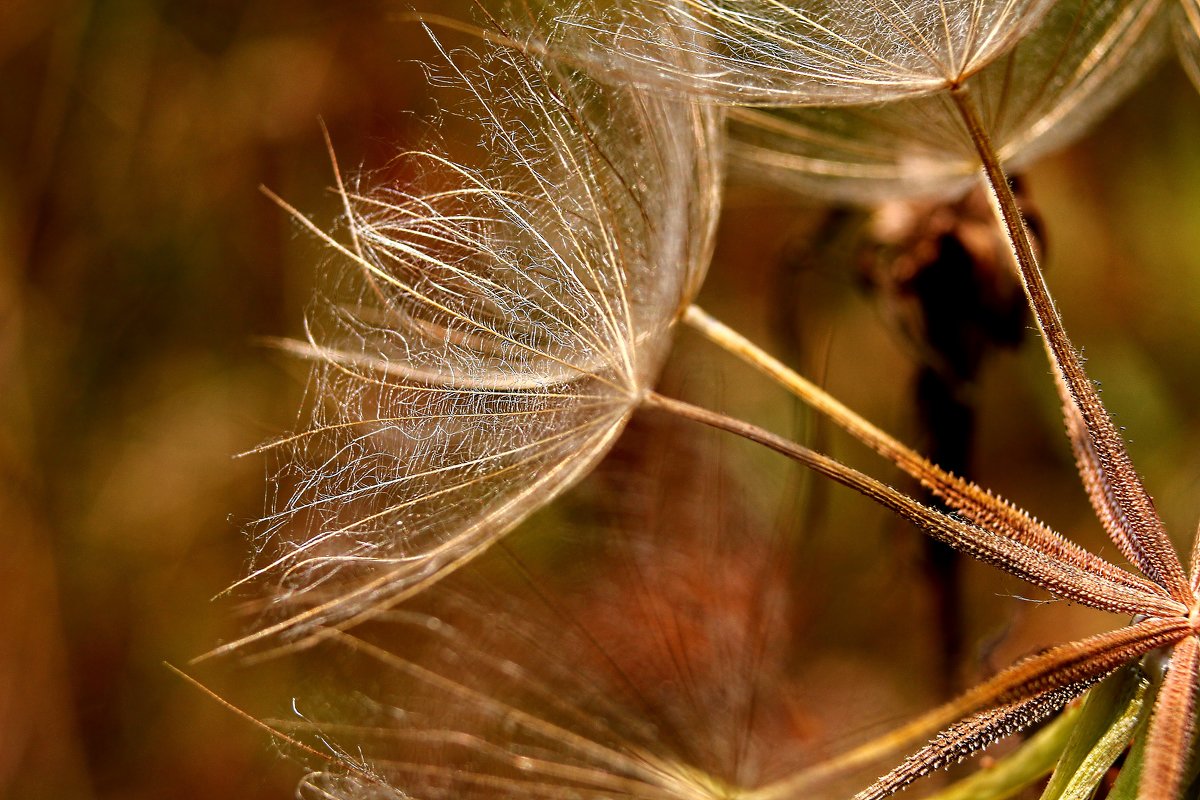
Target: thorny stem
(829, 467)
(1169, 741)
(1064, 578)
(1018, 695)
(815, 397)
(1126, 508)
(967, 498)
(1033, 761)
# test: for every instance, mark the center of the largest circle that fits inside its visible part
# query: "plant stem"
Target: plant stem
(970, 500)
(797, 452)
(1029, 763)
(1129, 510)
(814, 396)
(1065, 577)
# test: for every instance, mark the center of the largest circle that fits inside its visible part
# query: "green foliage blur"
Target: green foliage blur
(140, 265)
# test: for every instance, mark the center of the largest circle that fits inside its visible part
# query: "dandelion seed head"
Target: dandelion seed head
(789, 53)
(1055, 83)
(328, 786)
(530, 686)
(1187, 36)
(485, 331)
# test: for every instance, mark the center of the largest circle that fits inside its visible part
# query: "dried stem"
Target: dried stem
(1023, 559)
(973, 502)
(1125, 506)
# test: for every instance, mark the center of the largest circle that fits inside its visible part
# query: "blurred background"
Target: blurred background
(139, 266)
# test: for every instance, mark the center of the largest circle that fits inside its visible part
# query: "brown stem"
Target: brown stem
(976, 504)
(1125, 507)
(1169, 745)
(1061, 578)
(1024, 693)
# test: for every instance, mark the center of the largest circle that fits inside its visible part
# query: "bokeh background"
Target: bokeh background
(140, 266)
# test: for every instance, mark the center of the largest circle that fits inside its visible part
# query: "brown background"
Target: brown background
(139, 262)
